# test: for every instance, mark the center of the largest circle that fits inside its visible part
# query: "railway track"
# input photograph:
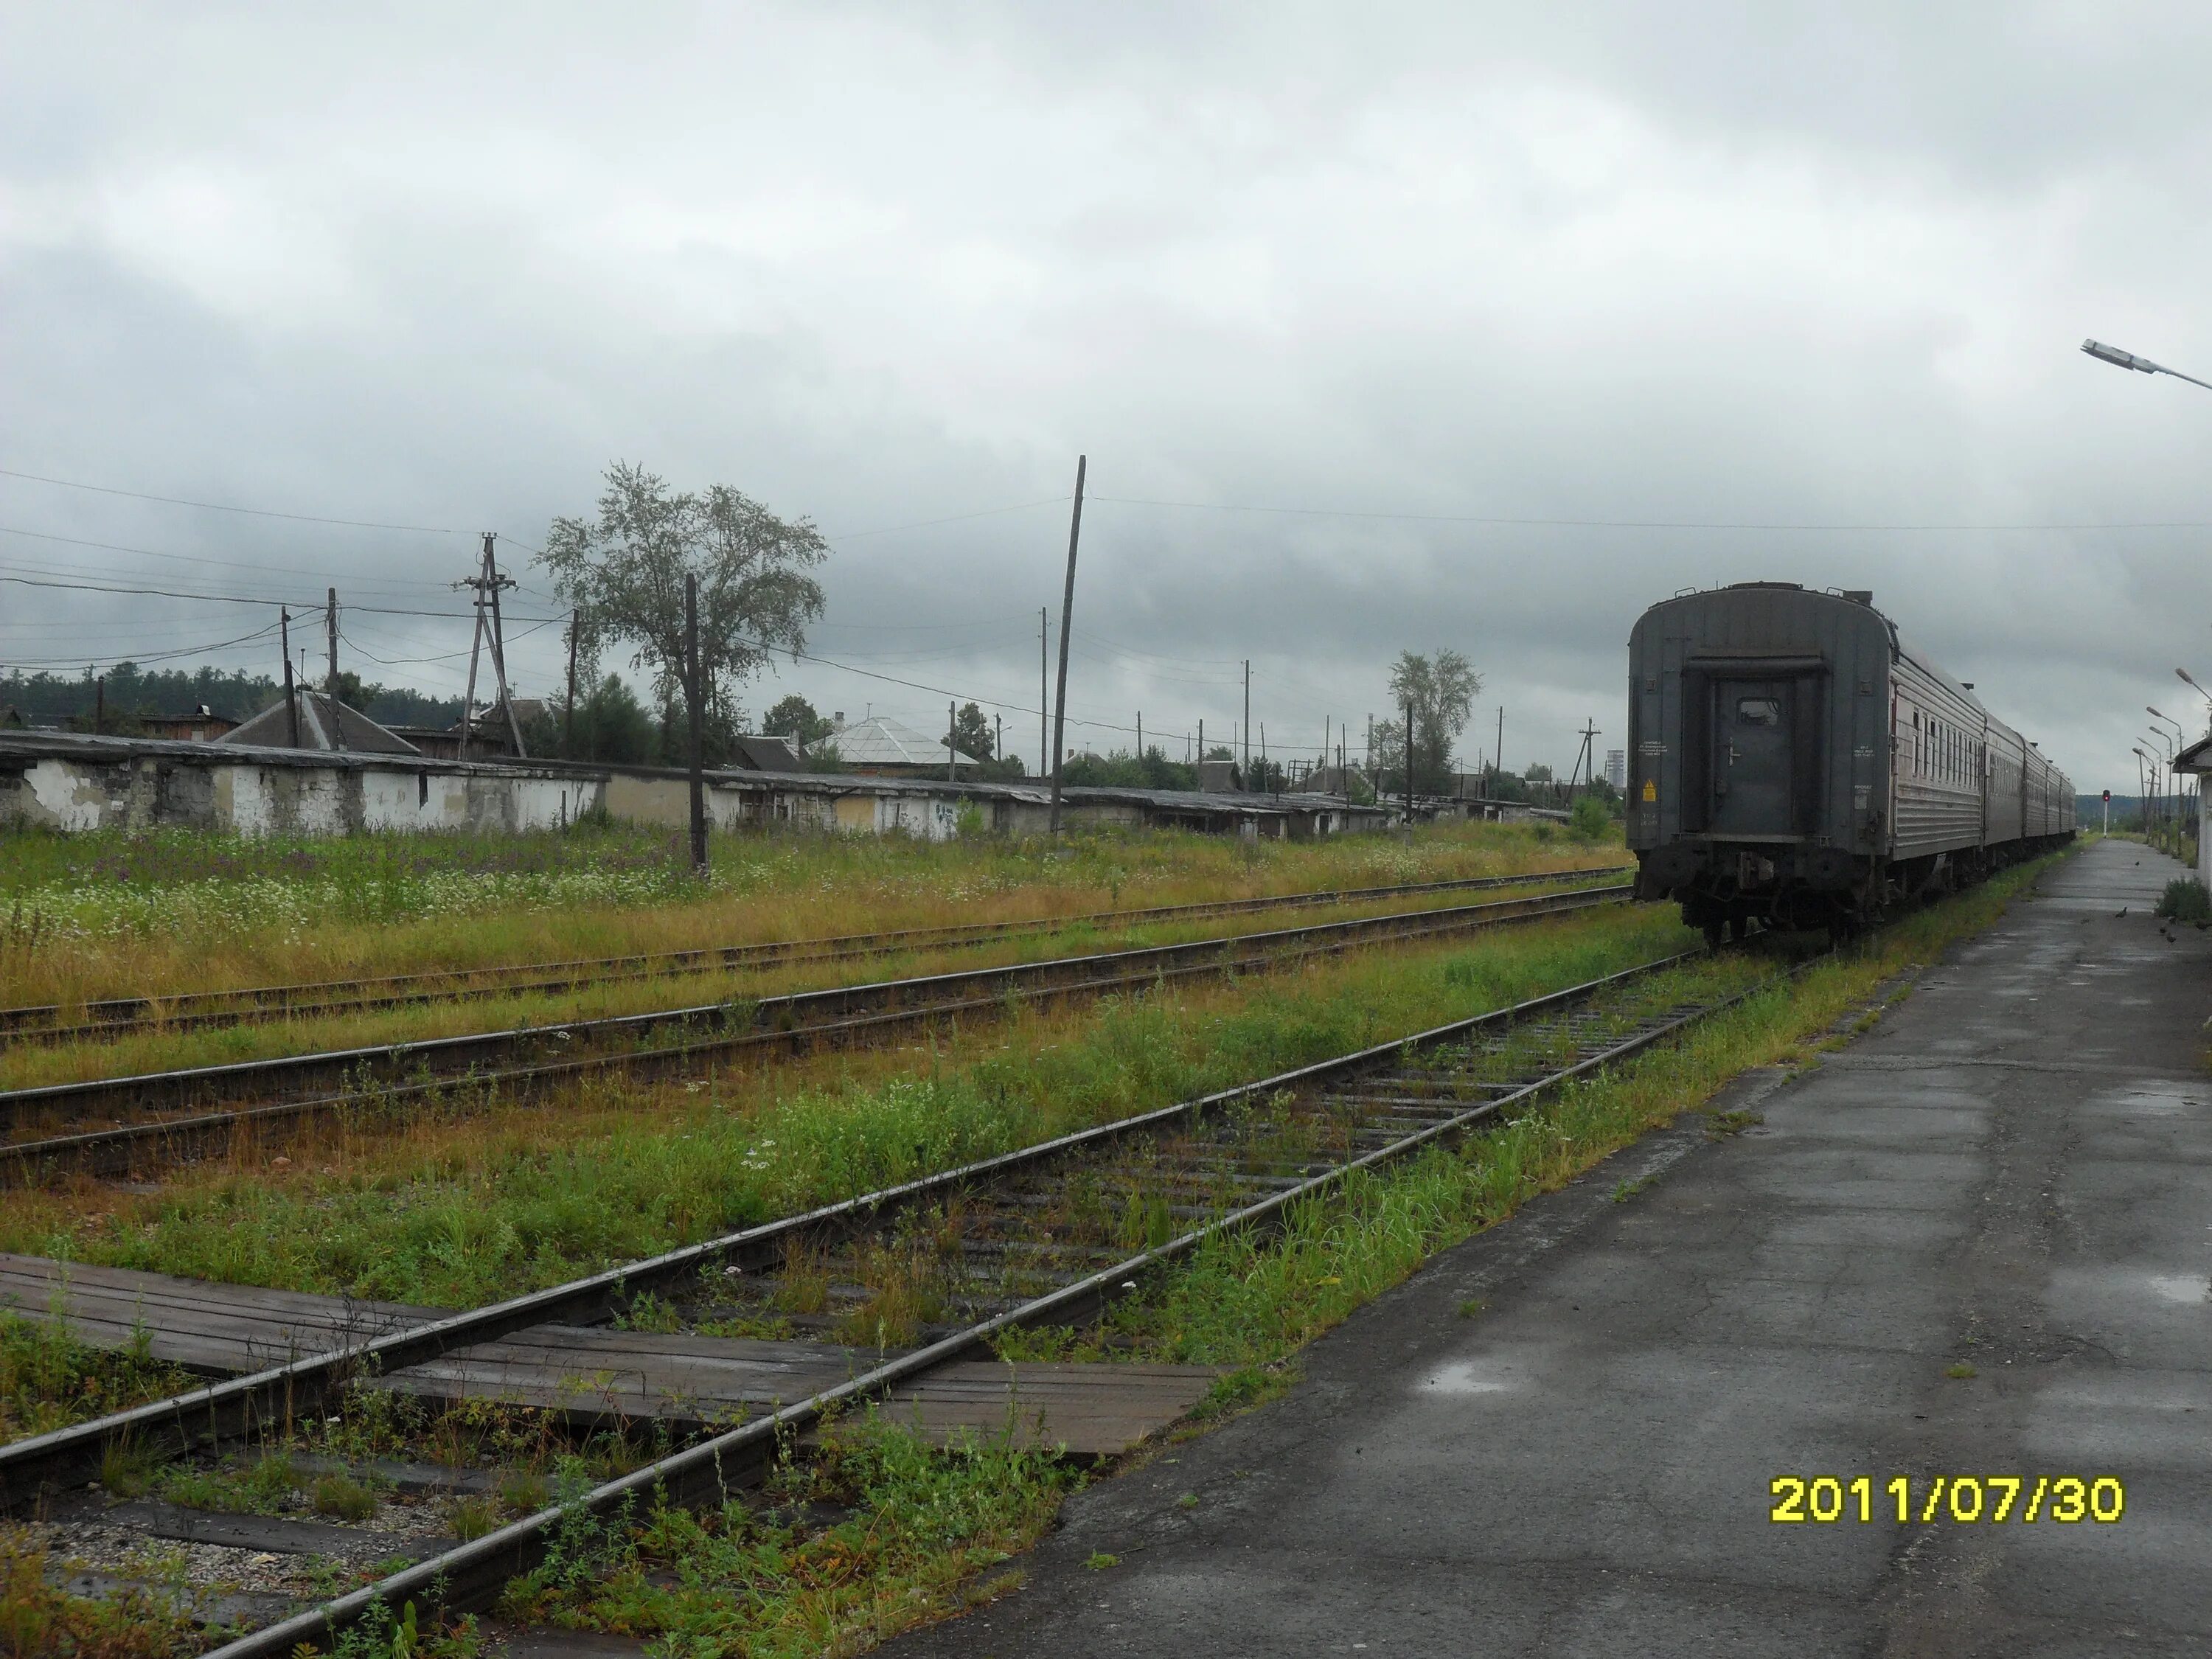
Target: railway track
(1049, 1235)
(203, 1010)
(157, 1118)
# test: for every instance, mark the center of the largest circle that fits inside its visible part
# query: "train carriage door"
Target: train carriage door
(1753, 780)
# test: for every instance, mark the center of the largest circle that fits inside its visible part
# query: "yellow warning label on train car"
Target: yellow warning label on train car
(1650, 789)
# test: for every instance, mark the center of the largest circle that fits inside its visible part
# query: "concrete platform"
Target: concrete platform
(2013, 1171)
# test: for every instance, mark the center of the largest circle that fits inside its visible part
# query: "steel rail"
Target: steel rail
(799, 1018)
(197, 1009)
(225, 1409)
(471, 1575)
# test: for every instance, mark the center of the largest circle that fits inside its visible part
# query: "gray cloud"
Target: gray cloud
(1712, 264)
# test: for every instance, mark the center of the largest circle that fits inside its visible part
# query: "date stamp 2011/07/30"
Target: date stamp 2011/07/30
(1964, 1499)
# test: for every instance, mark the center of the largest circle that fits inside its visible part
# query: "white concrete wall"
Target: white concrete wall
(143, 787)
(249, 799)
(2204, 837)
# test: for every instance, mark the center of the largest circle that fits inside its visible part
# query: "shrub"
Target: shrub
(2185, 900)
(1591, 821)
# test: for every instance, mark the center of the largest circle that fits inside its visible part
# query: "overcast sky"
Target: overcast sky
(1409, 270)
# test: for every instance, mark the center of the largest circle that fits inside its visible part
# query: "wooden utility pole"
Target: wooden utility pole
(568, 723)
(1497, 756)
(99, 705)
(998, 735)
(1248, 722)
(1586, 757)
(1140, 736)
(494, 582)
(1409, 762)
(291, 698)
(330, 620)
(1067, 612)
(1044, 691)
(691, 689)
(476, 645)
(952, 752)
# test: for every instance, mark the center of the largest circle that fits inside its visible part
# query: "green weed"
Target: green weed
(468, 1228)
(37, 1618)
(733, 1582)
(343, 1497)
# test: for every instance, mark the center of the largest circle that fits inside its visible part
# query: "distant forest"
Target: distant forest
(51, 699)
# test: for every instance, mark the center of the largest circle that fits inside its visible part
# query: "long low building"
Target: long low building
(74, 782)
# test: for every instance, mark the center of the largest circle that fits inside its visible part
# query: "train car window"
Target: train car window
(1759, 711)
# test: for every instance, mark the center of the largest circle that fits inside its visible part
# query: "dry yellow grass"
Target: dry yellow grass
(650, 1165)
(97, 917)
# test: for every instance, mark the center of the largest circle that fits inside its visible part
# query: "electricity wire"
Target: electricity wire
(224, 506)
(1639, 524)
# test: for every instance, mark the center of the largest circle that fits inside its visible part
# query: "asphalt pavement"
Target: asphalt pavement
(1972, 1246)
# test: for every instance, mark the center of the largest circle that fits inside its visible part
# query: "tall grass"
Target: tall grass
(155, 1047)
(113, 913)
(458, 1215)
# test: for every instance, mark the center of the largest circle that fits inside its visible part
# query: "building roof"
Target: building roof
(319, 716)
(883, 741)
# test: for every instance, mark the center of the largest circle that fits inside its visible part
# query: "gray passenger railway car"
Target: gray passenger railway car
(1793, 763)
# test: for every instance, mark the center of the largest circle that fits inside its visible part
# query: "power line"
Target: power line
(1643, 524)
(196, 558)
(136, 657)
(259, 598)
(224, 506)
(957, 518)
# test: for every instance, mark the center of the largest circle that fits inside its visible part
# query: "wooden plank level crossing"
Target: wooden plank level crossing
(594, 1372)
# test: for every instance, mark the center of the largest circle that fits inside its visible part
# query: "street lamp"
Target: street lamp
(2173, 778)
(2167, 752)
(2120, 359)
(2189, 680)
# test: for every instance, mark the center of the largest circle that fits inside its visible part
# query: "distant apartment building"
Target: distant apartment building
(1616, 767)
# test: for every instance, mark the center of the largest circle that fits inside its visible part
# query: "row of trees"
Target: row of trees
(131, 691)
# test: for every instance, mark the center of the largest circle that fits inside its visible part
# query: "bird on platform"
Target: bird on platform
(2118, 914)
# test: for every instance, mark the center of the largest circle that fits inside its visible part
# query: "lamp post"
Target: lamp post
(2173, 777)
(2120, 359)
(2163, 758)
(2189, 680)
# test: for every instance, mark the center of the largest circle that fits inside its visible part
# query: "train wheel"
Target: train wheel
(1716, 930)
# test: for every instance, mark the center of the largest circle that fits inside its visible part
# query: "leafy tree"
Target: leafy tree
(972, 734)
(624, 571)
(795, 717)
(1442, 691)
(612, 726)
(1538, 771)
(1122, 771)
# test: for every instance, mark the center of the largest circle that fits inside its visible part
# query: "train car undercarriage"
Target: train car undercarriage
(1726, 890)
